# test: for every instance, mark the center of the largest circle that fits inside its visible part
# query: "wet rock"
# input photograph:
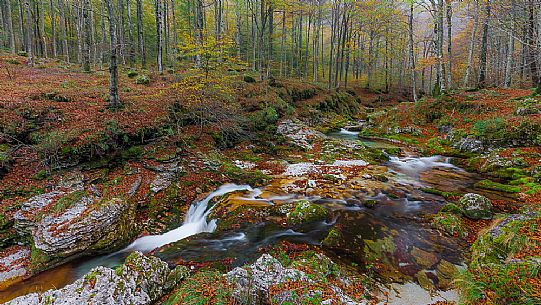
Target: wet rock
(423, 258)
(475, 206)
(406, 130)
(333, 238)
(254, 282)
(13, 265)
(446, 273)
(135, 186)
(141, 280)
(370, 203)
(449, 223)
(305, 211)
(300, 169)
(376, 250)
(311, 183)
(424, 281)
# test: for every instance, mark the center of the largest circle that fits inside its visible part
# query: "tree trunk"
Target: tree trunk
(87, 29)
(114, 100)
(472, 45)
(484, 46)
(533, 43)
(159, 43)
(42, 28)
(22, 29)
(449, 44)
(140, 34)
(412, 54)
(63, 30)
(131, 49)
(29, 31)
(53, 29)
(9, 21)
(102, 21)
(510, 49)
(270, 14)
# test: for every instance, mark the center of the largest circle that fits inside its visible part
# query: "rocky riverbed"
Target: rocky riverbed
(336, 222)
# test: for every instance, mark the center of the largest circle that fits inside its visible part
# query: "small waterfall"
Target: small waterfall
(347, 132)
(194, 223)
(414, 166)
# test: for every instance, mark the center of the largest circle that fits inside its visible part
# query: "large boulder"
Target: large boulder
(298, 133)
(141, 280)
(61, 224)
(475, 206)
(254, 282)
(305, 211)
(13, 265)
(266, 281)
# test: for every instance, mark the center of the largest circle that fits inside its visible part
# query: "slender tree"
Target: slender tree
(114, 100)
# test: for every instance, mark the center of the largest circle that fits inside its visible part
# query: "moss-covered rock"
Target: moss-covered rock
(449, 223)
(333, 238)
(451, 208)
(475, 206)
(140, 280)
(500, 242)
(375, 250)
(305, 211)
(495, 186)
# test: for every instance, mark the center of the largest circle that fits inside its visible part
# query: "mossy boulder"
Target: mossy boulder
(446, 272)
(333, 238)
(423, 258)
(370, 203)
(375, 250)
(449, 223)
(475, 206)
(500, 242)
(140, 280)
(305, 211)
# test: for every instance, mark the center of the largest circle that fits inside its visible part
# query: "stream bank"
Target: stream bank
(374, 215)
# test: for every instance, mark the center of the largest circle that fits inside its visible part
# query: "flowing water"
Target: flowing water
(399, 214)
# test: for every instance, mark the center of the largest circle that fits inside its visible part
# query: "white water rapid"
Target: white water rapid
(194, 223)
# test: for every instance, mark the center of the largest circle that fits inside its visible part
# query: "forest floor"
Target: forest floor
(56, 128)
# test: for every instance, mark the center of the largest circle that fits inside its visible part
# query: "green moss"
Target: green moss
(238, 175)
(333, 238)
(204, 287)
(451, 208)
(370, 203)
(142, 80)
(39, 260)
(445, 195)
(67, 201)
(305, 211)
(495, 186)
(376, 250)
(449, 223)
(489, 249)
(512, 173)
